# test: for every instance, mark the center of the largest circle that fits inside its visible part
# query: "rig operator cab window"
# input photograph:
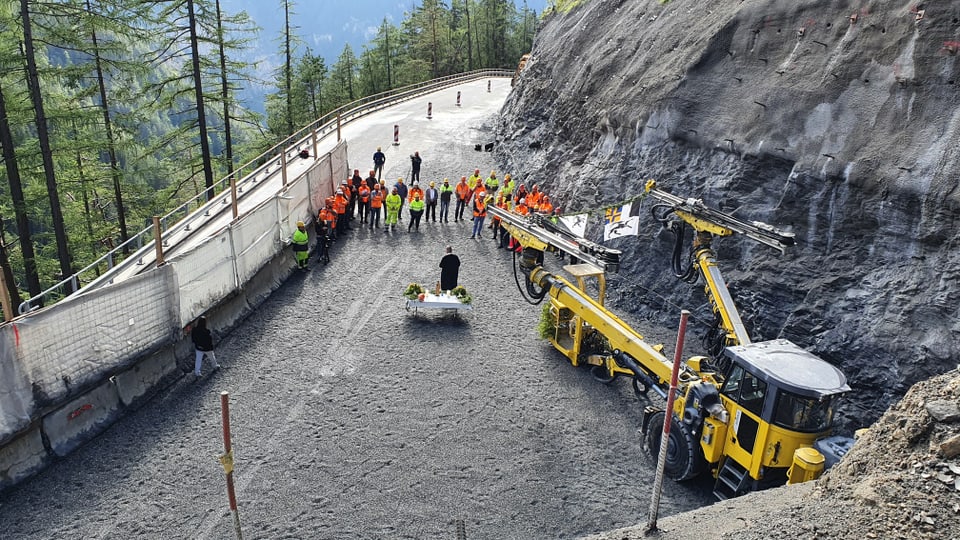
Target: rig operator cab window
(798, 413)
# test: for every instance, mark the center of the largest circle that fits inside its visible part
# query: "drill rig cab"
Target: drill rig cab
(749, 413)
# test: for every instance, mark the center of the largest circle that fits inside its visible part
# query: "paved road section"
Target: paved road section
(353, 418)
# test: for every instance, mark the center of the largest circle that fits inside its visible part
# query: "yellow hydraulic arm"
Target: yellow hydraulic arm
(709, 223)
(641, 357)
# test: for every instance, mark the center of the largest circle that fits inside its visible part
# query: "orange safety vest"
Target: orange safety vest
(340, 204)
(463, 192)
(329, 216)
(546, 208)
(413, 192)
(522, 209)
(479, 209)
(377, 200)
(533, 199)
(364, 192)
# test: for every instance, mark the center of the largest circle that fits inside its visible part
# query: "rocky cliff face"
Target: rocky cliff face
(837, 120)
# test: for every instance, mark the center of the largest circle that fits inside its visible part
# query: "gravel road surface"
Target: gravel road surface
(353, 418)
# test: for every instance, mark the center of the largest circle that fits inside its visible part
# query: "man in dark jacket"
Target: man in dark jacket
(431, 196)
(402, 192)
(415, 162)
(203, 343)
(378, 160)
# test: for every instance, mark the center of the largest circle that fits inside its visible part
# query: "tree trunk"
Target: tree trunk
(466, 7)
(115, 172)
(386, 54)
(33, 83)
(201, 114)
(436, 43)
(225, 90)
(12, 292)
(19, 209)
(288, 67)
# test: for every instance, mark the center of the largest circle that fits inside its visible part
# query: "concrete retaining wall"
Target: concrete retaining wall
(142, 380)
(62, 430)
(82, 418)
(22, 457)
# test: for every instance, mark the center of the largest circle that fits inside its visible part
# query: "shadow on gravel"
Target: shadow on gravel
(452, 326)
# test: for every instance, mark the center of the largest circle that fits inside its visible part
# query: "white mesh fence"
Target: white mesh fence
(85, 337)
(294, 207)
(206, 275)
(16, 397)
(48, 356)
(338, 163)
(255, 239)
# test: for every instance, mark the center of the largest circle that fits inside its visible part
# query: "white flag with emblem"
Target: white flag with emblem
(577, 224)
(621, 220)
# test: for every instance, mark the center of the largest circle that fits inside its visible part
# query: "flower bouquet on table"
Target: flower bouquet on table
(414, 292)
(462, 294)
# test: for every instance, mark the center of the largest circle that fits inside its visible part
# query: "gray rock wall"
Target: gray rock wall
(838, 120)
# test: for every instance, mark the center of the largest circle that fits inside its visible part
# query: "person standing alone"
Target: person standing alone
(449, 270)
(203, 343)
(415, 162)
(378, 160)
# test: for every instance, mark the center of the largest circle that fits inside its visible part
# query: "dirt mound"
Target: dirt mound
(900, 480)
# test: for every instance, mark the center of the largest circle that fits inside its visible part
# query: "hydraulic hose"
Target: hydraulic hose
(638, 372)
(531, 295)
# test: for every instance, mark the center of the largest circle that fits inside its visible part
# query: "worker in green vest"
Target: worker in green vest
(446, 195)
(508, 185)
(300, 247)
(416, 212)
(492, 184)
(393, 202)
(474, 180)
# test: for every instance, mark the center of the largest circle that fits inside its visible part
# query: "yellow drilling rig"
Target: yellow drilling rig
(753, 414)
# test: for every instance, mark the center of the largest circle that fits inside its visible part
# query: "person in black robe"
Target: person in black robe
(449, 270)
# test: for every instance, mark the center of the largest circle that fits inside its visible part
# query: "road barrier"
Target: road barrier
(429, 110)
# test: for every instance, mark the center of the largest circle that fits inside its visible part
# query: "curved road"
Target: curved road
(353, 418)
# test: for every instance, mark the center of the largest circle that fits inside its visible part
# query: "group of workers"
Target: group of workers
(367, 199)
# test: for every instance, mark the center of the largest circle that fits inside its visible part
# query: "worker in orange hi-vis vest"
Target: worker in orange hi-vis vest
(463, 198)
(363, 202)
(415, 191)
(533, 198)
(546, 207)
(376, 203)
(340, 202)
(479, 213)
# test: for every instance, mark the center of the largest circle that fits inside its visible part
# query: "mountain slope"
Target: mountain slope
(836, 119)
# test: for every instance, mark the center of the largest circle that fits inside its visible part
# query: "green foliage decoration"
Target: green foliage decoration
(547, 326)
(414, 290)
(461, 293)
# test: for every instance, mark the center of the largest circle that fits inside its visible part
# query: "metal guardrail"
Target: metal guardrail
(183, 219)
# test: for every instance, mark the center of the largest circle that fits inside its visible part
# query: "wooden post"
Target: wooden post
(227, 461)
(338, 127)
(667, 420)
(233, 197)
(316, 154)
(5, 298)
(283, 165)
(158, 239)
